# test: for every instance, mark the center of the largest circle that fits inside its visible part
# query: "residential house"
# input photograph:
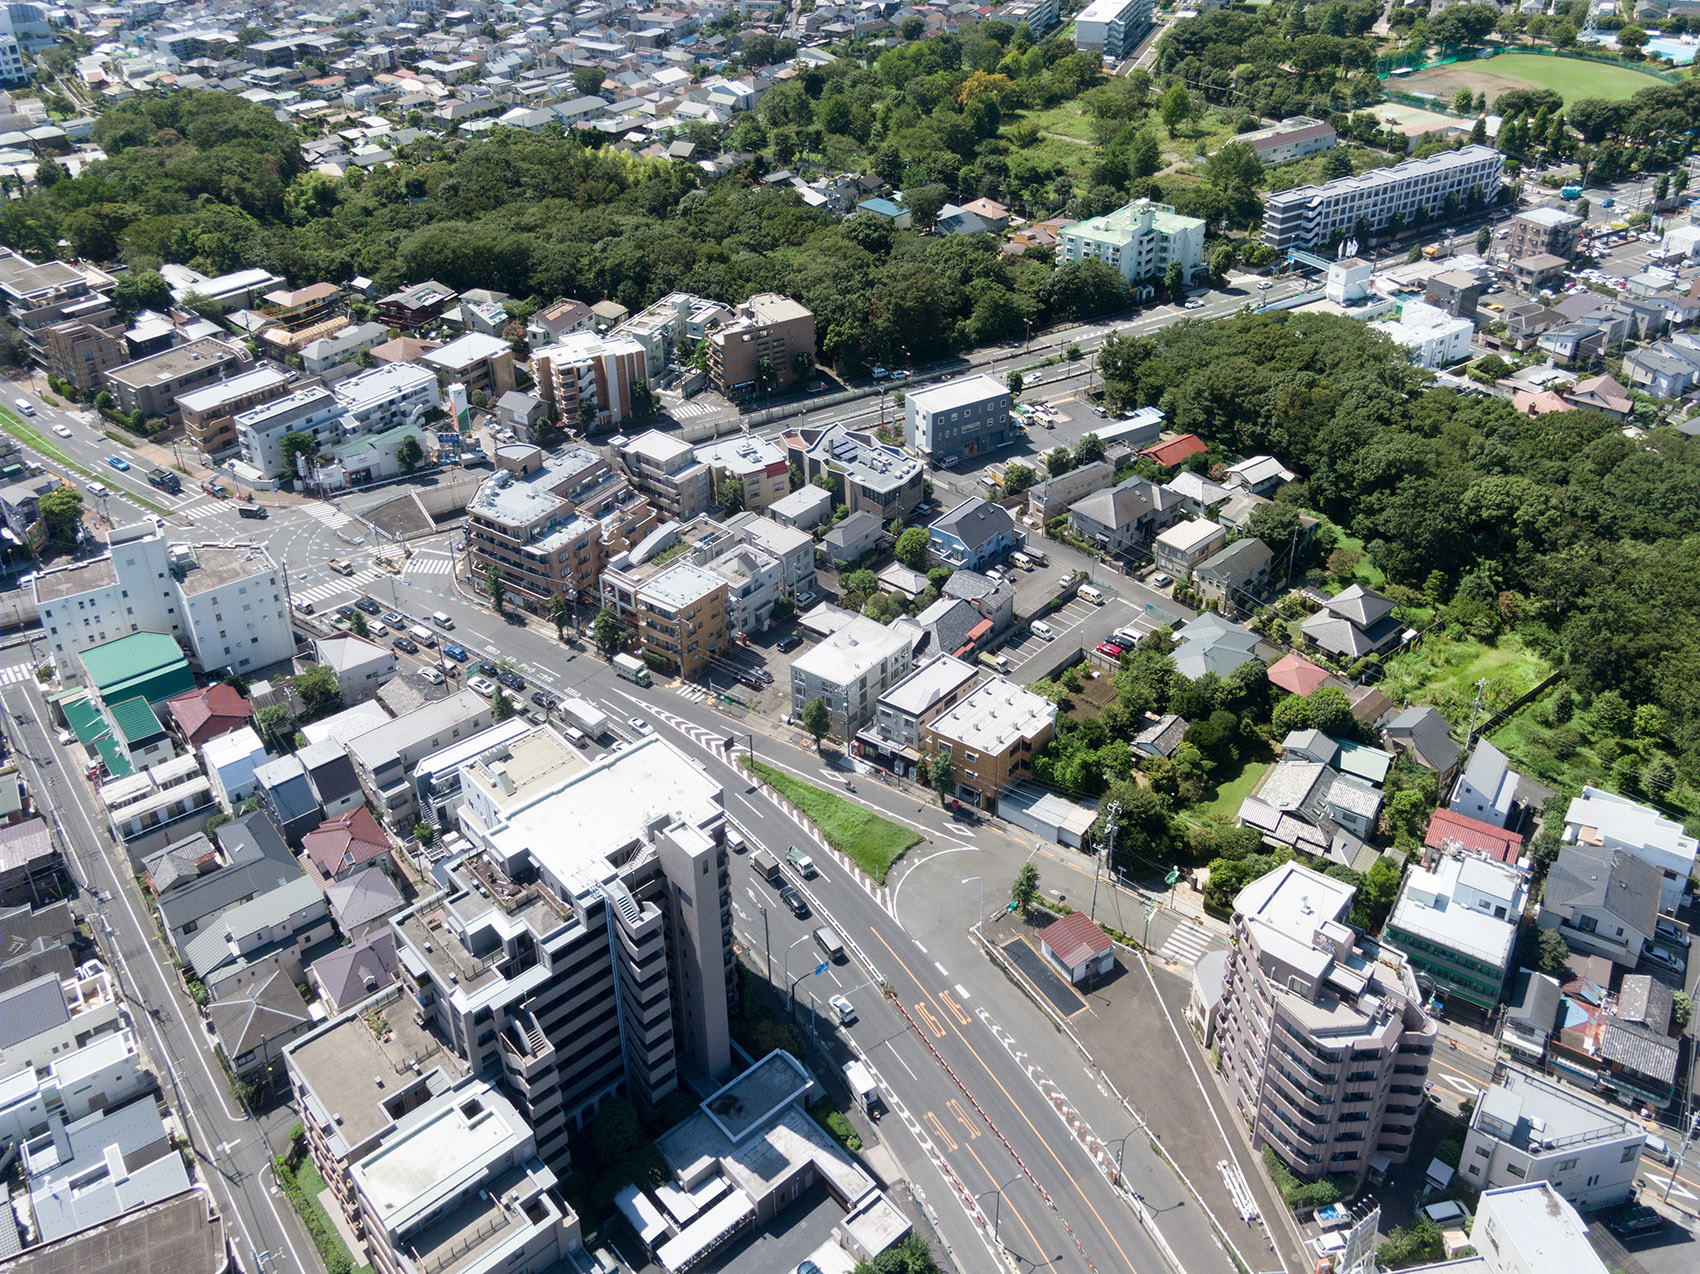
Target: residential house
(340, 847)
(363, 902)
(1355, 622)
(1605, 820)
(993, 600)
(1600, 393)
(1532, 1016)
(230, 761)
(1297, 675)
(1210, 643)
(288, 794)
(1487, 789)
(283, 922)
(1666, 370)
(1186, 544)
(1162, 737)
(417, 307)
(256, 1012)
(1258, 475)
(1237, 577)
(1316, 809)
(973, 535)
(1638, 1051)
(205, 713)
(1051, 498)
(1451, 831)
(330, 773)
(865, 473)
(1125, 517)
(360, 664)
(1602, 900)
(1199, 495)
(1425, 735)
(349, 974)
(850, 670)
(853, 538)
(197, 879)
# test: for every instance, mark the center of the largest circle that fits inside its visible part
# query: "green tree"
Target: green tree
(912, 547)
(586, 415)
(1632, 38)
(1024, 889)
(1484, 240)
(1016, 478)
(802, 364)
(817, 720)
(730, 493)
(62, 512)
(501, 706)
(1376, 896)
(424, 833)
(1016, 382)
(1681, 1009)
(1145, 156)
(1089, 450)
(358, 625)
(643, 399)
(294, 445)
(140, 290)
(1330, 710)
(318, 689)
(497, 587)
(275, 723)
(559, 610)
(605, 631)
(587, 80)
(1175, 108)
(409, 453)
(1174, 279)
(1551, 952)
(942, 776)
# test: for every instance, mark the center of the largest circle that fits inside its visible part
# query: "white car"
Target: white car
(483, 685)
(640, 726)
(432, 675)
(98, 490)
(1194, 304)
(846, 1011)
(62, 431)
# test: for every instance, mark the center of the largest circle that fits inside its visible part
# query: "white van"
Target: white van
(1039, 628)
(24, 405)
(1092, 593)
(441, 620)
(1657, 1150)
(423, 635)
(578, 738)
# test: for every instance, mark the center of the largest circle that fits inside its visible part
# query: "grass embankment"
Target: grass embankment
(302, 1183)
(872, 843)
(32, 437)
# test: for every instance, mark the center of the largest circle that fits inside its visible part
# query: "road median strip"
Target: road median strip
(872, 842)
(31, 437)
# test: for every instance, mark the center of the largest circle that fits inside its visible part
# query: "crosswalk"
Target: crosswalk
(684, 411)
(329, 514)
(430, 566)
(195, 512)
(695, 693)
(1185, 945)
(352, 585)
(14, 673)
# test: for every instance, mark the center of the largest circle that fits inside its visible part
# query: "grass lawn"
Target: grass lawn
(1367, 573)
(1232, 788)
(31, 437)
(1309, 170)
(1442, 671)
(308, 1186)
(872, 842)
(1574, 78)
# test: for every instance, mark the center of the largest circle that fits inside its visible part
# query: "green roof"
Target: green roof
(133, 721)
(117, 764)
(83, 716)
(147, 664)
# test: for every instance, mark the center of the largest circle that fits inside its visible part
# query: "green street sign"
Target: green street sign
(1013, 906)
(1173, 876)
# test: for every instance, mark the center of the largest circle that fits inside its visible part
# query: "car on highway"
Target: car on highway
(367, 605)
(794, 900)
(483, 685)
(846, 1011)
(406, 645)
(394, 618)
(1109, 649)
(118, 463)
(512, 680)
(640, 726)
(62, 431)
(788, 643)
(1194, 304)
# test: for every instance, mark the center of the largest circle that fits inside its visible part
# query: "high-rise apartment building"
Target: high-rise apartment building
(769, 329)
(1111, 27)
(587, 376)
(1308, 216)
(1322, 1034)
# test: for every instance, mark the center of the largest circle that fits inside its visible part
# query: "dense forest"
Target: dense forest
(1559, 528)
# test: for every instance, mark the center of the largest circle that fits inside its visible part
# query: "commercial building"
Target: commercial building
(1111, 27)
(1311, 216)
(1293, 138)
(990, 738)
(588, 379)
(1604, 820)
(666, 470)
(757, 348)
(966, 417)
(1324, 1043)
(1140, 239)
(152, 385)
(757, 465)
(583, 947)
(1457, 919)
(224, 604)
(260, 430)
(385, 397)
(384, 757)
(208, 414)
(550, 524)
(681, 614)
(865, 473)
(850, 670)
(1527, 1128)
(1543, 232)
(893, 738)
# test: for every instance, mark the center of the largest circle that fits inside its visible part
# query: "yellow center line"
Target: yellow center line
(1109, 1233)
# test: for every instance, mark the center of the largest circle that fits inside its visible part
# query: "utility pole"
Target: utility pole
(1474, 709)
(1103, 850)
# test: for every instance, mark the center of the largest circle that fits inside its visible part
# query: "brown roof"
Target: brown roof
(208, 712)
(1472, 834)
(350, 840)
(1297, 674)
(1075, 939)
(403, 349)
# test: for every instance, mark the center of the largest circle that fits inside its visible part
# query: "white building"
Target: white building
(360, 664)
(1487, 789)
(1601, 819)
(1348, 281)
(1308, 216)
(224, 604)
(966, 417)
(1111, 27)
(330, 351)
(387, 396)
(260, 431)
(1527, 1128)
(1434, 337)
(46, 1018)
(794, 549)
(1457, 921)
(755, 584)
(106, 1071)
(758, 465)
(230, 761)
(1139, 239)
(850, 670)
(1531, 1229)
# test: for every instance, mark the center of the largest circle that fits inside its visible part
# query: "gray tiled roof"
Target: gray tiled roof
(31, 1009)
(1611, 880)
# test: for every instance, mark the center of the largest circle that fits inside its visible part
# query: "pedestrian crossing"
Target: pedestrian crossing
(195, 512)
(1185, 945)
(695, 693)
(354, 584)
(329, 514)
(684, 411)
(430, 566)
(12, 675)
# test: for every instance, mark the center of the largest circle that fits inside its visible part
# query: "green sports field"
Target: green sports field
(1573, 78)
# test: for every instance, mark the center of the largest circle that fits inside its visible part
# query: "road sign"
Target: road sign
(1173, 876)
(820, 968)
(1013, 907)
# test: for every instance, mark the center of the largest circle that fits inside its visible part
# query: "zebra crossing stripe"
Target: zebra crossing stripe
(1185, 945)
(14, 674)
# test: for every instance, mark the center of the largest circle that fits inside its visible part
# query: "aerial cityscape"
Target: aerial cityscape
(785, 637)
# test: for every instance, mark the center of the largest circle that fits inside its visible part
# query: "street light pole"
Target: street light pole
(969, 881)
(789, 998)
(766, 946)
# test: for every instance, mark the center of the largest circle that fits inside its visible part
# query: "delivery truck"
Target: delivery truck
(863, 1088)
(632, 669)
(586, 716)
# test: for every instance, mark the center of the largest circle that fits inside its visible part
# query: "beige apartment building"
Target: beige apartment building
(550, 523)
(669, 473)
(209, 414)
(585, 367)
(767, 326)
(1323, 1039)
(151, 385)
(991, 738)
(681, 615)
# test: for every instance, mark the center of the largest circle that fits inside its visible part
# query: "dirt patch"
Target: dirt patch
(1445, 81)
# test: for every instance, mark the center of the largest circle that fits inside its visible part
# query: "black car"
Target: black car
(789, 642)
(1636, 1223)
(512, 680)
(751, 680)
(765, 675)
(540, 699)
(794, 900)
(484, 668)
(368, 605)
(406, 645)
(345, 612)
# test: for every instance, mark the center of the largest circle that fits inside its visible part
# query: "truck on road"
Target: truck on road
(766, 865)
(165, 480)
(862, 1087)
(586, 716)
(632, 669)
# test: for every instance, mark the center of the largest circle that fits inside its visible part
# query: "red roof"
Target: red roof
(208, 712)
(1474, 835)
(1175, 450)
(1075, 939)
(1297, 674)
(338, 845)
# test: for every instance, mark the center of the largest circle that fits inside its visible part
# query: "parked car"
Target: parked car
(846, 1011)
(394, 618)
(788, 643)
(1194, 304)
(486, 667)
(543, 700)
(345, 612)
(456, 653)
(406, 645)
(483, 685)
(1671, 933)
(432, 675)
(1110, 649)
(751, 680)
(794, 900)
(1162, 579)
(98, 490)
(512, 680)
(306, 608)
(448, 670)
(367, 605)
(1669, 959)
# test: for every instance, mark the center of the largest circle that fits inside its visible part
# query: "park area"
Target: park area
(1442, 671)
(1574, 78)
(871, 842)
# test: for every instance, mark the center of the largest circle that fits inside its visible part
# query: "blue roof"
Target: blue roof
(882, 206)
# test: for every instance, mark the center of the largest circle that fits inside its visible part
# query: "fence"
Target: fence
(1504, 714)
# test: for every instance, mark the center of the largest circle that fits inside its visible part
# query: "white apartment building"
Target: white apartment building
(585, 367)
(677, 321)
(45, 1018)
(315, 412)
(667, 470)
(1605, 821)
(1528, 1128)
(794, 549)
(387, 396)
(1111, 27)
(1307, 216)
(224, 604)
(1139, 239)
(107, 1071)
(1434, 337)
(1531, 1229)
(1322, 1034)
(755, 584)
(850, 670)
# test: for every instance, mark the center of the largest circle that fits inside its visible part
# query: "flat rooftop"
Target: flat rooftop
(969, 391)
(226, 390)
(379, 385)
(851, 651)
(929, 683)
(472, 348)
(170, 364)
(996, 715)
(1559, 1113)
(69, 581)
(679, 585)
(757, 1095)
(742, 455)
(219, 564)
(433, 1161)
(533, 763)
(183, 1235)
